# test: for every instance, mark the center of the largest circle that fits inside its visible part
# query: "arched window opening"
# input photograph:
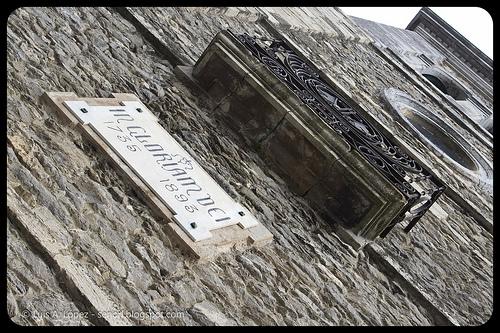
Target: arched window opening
(447, 86)
(436, 82)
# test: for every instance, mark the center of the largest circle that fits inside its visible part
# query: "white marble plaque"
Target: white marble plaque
(198, 203)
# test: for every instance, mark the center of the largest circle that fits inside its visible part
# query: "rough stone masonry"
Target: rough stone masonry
(80, 240)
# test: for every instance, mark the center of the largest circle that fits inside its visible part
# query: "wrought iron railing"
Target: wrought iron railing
(419, 187)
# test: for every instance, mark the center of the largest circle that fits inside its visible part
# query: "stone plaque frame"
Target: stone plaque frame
(223, 239)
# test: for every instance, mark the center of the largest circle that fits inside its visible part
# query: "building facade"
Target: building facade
(85, 249)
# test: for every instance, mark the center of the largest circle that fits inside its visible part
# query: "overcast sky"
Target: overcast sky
(473, 23)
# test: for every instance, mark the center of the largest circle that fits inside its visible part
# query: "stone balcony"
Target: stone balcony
(319, 143)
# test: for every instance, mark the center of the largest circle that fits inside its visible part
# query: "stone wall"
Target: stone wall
(364, 73)
(409, 45)
(401, 40)
(79, 238)
(32, 287)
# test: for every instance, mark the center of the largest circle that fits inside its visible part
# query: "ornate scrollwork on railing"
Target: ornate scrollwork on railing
(419, 187)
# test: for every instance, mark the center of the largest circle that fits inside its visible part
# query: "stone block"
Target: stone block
(297, 153)
(251, 114)
(247, 102)
(354, 199)
(218, 72)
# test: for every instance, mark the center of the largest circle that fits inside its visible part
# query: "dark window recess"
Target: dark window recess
(440, 140)
(449, 88)
(426, 60)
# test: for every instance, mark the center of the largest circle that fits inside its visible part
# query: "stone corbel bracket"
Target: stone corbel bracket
(223, 239)
(313, 159)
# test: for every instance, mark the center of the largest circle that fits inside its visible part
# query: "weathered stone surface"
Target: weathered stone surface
(308, 276)
(449, 258)
(301, 163)
(208, 314)
(34, 296)
(179, 28)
